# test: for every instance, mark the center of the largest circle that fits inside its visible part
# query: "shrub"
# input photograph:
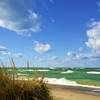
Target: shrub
(12, 89)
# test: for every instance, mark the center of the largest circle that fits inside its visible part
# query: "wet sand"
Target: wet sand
(74, 93)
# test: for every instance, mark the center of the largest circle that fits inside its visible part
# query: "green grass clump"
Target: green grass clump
(12, 89)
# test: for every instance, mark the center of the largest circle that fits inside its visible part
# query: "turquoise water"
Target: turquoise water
(78, 75)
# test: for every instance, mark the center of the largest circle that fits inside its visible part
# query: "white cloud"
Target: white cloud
(76, 56)
(55, 61)
(53, 58)
(5, 52)
(81, 56)
(94, 38)
(42, 47)
(91, 56)
(15, 16)
(16, 55)
(2, 48)
(70, 56)
(11, 54)
(80, 50)
(69, 53)
(39, 59)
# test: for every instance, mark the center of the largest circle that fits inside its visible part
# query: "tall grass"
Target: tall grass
(13, 89)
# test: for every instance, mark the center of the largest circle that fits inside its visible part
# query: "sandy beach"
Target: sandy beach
(73, 93)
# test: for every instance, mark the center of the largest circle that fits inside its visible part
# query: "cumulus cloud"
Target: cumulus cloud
(80, 55)
(92, 55)
(41, 47)
(94, 38)
(93, 43)
(75, 56)
(15, 16)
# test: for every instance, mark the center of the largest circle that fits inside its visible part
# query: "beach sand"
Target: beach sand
(62, 93)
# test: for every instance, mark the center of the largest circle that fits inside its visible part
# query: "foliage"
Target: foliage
(13, 89)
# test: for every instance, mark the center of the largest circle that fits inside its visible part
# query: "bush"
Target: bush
(11, 89)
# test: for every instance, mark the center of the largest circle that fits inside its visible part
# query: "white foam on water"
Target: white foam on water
(21, 70)
(69, 71)
(30, 70)
(93, 72)
(65, 82)
(42, 70)
(61, 81)
(20, 74)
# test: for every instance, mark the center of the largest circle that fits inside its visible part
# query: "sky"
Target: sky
(50, 33)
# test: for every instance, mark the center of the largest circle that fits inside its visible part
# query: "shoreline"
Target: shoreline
(71, 85)
(65, 82)
(62, 82)
(61, 92)
(80, 89)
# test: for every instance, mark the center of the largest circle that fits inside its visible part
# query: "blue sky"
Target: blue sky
(50, 33)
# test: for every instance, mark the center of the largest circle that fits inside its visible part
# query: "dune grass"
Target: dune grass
(13, 89)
